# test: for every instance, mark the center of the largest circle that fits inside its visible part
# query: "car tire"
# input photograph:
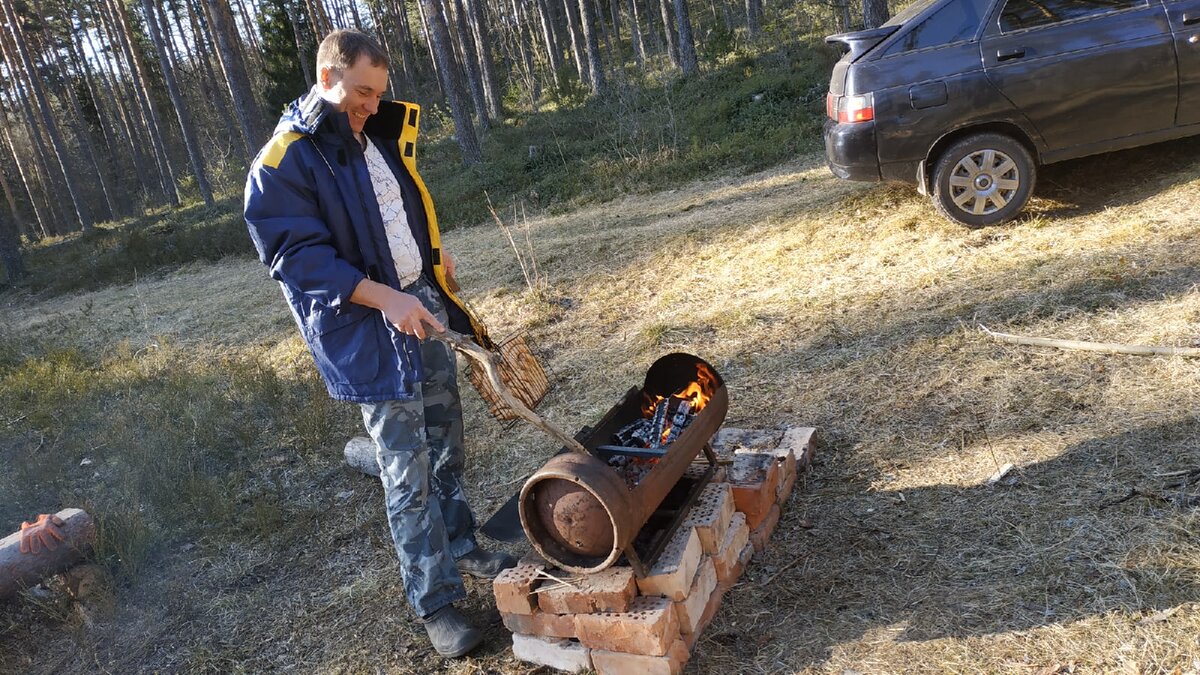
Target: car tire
(984, 179)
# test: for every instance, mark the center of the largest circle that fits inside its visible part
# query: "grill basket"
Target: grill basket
(520, 371)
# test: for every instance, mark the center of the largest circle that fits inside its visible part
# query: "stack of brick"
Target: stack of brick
(614, 622)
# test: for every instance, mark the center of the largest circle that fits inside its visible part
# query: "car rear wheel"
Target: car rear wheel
(985, 179)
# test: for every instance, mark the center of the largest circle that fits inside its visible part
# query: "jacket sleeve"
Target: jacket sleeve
(291, 236)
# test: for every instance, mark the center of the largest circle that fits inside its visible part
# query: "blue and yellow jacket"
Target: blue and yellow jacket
(312, 214)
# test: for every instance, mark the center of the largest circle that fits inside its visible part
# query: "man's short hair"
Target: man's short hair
(342, 48)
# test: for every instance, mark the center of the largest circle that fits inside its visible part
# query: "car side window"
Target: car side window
(955, 21)
(1019, 14)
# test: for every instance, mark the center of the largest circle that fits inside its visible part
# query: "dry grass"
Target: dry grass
(847, 307)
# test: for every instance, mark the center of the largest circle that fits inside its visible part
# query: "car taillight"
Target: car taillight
(850, 109)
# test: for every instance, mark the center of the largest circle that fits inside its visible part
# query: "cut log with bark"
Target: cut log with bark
(360, 454)
(23, 570)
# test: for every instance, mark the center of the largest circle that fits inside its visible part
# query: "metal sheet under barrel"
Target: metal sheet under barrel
(578, 512)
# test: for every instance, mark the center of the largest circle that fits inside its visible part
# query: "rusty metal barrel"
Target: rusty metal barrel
(578, 512)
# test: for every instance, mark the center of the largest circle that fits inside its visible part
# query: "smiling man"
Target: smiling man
(343, 221)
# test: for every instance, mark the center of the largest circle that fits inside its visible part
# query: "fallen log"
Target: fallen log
(22, 570)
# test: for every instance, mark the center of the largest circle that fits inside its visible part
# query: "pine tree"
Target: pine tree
(282, 65)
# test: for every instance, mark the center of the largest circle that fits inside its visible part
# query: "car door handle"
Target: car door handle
(1008, 54)
(1190, 18)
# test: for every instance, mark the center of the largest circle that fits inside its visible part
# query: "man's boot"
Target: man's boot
(451, 633)
(485, 564)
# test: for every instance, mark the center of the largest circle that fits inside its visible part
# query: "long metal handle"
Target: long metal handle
(489, 361)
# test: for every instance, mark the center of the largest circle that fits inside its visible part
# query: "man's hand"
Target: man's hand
(402, 310)
(41, 534)
(448, 263)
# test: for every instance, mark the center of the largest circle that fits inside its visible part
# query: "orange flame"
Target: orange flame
(697, 393)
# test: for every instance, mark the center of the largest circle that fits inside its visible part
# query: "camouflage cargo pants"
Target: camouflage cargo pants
(419, 448)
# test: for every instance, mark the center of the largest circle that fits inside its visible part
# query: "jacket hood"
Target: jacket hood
(307, 113)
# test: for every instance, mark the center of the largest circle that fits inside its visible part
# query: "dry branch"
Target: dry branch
(488, 361)
(1102, 347)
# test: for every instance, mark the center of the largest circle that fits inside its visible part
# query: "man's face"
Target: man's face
(355, 91)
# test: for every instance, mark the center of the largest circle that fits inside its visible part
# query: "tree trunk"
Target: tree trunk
(553, 56)
(577, 49)
(483, 41)
(320, 20)
(181, 107)
(687, 46)
(249, 117)
(407, 51)
(524, 45)
(875, 12)
(153, 124)
(41, 220)
(307, 62)
(753, 13)
(439, 41)
(668, 19)
(595, 69)
(437, 66)
(635, 33)
(82, 213)
(121, 103)
(469, 61)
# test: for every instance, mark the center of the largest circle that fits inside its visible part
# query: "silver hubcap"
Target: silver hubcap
(984, 182)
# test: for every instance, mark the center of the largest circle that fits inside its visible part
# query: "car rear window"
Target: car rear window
(1019, 14)
(955, 21)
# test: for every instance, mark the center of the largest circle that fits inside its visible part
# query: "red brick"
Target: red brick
(710, 611)
(785, 457)
(762, 534)
(649, 627)
(743, 561)
(618, 663)
(610, 590)
(540, 623)
(803, 443)
(737, 537)
(689, 610)
(710, 515)
(514, 587)
(755, 482)
(566, 655)
(672, 575)
(785, 489)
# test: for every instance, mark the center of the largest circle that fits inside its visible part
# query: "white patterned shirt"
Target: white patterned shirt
(395, 221)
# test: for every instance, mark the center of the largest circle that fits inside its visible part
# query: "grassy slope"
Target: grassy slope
(848, 307)
(235, 541)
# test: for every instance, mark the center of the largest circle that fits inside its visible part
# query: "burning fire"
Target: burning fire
(697, 393)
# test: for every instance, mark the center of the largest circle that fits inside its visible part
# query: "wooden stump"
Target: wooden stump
(22, 570)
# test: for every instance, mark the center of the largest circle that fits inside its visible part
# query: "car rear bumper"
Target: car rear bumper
(850, 150)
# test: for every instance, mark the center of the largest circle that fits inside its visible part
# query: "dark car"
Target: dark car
(965, 98)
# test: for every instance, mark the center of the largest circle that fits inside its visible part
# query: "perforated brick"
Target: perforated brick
(737, 538)
(672, 575)
(803, 443)
(618, 663)
(565, 655)
(754, 479)
(696, 472)
(761, 535)
(710, 515)
(610, 590)
(785, 457)
(728, 440)
(649, 627)
(690, 609)
(540, 623)
(514, 587)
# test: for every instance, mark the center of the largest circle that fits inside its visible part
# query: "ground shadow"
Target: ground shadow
(947, 561)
